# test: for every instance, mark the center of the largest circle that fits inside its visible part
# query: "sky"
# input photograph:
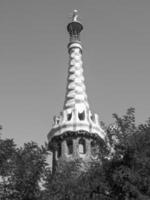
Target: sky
(34, 61)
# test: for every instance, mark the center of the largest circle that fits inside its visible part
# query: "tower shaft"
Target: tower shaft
(76, 90)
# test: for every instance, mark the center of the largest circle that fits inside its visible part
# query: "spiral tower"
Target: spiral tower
(76, 131)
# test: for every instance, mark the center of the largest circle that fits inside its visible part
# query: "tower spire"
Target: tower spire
(76, 90)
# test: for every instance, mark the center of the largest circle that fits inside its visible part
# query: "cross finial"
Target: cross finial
(75, 16)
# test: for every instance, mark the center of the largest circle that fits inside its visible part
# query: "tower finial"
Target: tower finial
(75, 16)
(74, 28)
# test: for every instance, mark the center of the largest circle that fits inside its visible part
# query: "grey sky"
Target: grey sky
(34, 61)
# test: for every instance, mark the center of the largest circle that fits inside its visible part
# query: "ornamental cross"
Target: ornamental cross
(75, 16)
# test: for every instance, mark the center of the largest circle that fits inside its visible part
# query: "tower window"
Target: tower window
(82, 146)
(70, 146)
(58, 150)
(81, 116)
(93, 118)
(94, 148)
(69, 116)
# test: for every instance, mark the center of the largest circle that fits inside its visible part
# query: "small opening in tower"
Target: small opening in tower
(93, 118)
(70, 146)
(94, 148)
(81, 116)
(69, 116)
(74, 37)
(58, 152)
(82, 146)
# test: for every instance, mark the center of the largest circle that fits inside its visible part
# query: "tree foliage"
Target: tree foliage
(21, 170)
(123, 173)
(128, 172)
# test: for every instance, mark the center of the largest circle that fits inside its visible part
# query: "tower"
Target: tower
(76, 131)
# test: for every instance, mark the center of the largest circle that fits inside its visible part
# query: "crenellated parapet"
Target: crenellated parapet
(75, 120)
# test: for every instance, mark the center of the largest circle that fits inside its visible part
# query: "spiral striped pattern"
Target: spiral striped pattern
(76, 90)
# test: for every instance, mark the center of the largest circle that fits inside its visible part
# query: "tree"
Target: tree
(29, 165)
(61, 185)
(22, 170)
(7, 151)
(124, 173)
(128, 172)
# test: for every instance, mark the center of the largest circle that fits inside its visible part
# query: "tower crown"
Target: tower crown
(74, 28)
